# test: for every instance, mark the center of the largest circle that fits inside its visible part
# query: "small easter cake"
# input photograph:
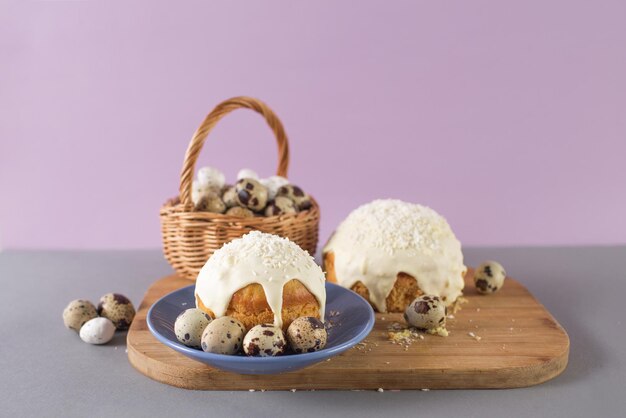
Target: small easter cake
(261, 279)
(391, 252)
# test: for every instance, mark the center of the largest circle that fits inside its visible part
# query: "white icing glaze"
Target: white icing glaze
(257, 257)
(385, 237)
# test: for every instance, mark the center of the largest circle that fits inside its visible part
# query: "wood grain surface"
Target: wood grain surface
(520, 345)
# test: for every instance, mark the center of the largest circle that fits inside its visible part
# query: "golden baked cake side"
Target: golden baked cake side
(249, 305)
(404, 290)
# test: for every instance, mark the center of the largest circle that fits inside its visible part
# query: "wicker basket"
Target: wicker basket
(190, 238)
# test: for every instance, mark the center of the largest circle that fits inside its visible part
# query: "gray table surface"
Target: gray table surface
(46, 370)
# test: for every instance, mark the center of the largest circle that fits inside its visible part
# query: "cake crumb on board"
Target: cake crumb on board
(441, 331)
(457, 305)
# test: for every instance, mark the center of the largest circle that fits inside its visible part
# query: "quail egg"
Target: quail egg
(426, 312)
(230, 196)
(489, 277)
(118, 309)
(223, 335)
(279, 206)
(210, 203)
(189, 326)
(299, 197)
(306, 334)
(264, 340)
(241, 212)
(251, 194)
(77, 312)
(97, 331)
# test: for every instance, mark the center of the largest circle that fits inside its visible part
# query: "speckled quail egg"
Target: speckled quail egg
(280, 206)
(223, 335)
(77, 312)
(97, 331)
(306, 334)
(189, 326)
(251, 194)
(199, 190)
(229, 196)
(246, 173)
(489, 277)
(118, 309)
(299, 197)
(240, 212)
(426, 312)
(273, 183)
(211, 177)
(264, 340)
(210, 203)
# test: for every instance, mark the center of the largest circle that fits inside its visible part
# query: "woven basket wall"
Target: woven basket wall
(190, 238)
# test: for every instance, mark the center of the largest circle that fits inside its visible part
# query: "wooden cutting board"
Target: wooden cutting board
(516, 343)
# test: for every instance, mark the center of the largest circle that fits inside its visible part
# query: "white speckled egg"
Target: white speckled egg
(118, 309)
(264, 340)
(211, 177)
(246, 173)
(223, 335)
(199, 190)
(489, 277)
(306, 334)
(189, 326)
(77, 312)
(97, 331)
(273, 183)
(426, 312)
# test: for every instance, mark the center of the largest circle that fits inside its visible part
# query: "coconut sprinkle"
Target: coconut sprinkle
(396, 225)
(271, 251)
(474, 336)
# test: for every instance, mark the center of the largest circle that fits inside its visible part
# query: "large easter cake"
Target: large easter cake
(261, 279)
(390, 252)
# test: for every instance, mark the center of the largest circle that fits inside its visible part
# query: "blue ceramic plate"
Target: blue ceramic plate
(352, 322)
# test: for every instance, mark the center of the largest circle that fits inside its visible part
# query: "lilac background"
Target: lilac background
(509, 119)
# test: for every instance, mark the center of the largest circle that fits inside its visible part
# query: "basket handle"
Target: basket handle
(221, 110)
